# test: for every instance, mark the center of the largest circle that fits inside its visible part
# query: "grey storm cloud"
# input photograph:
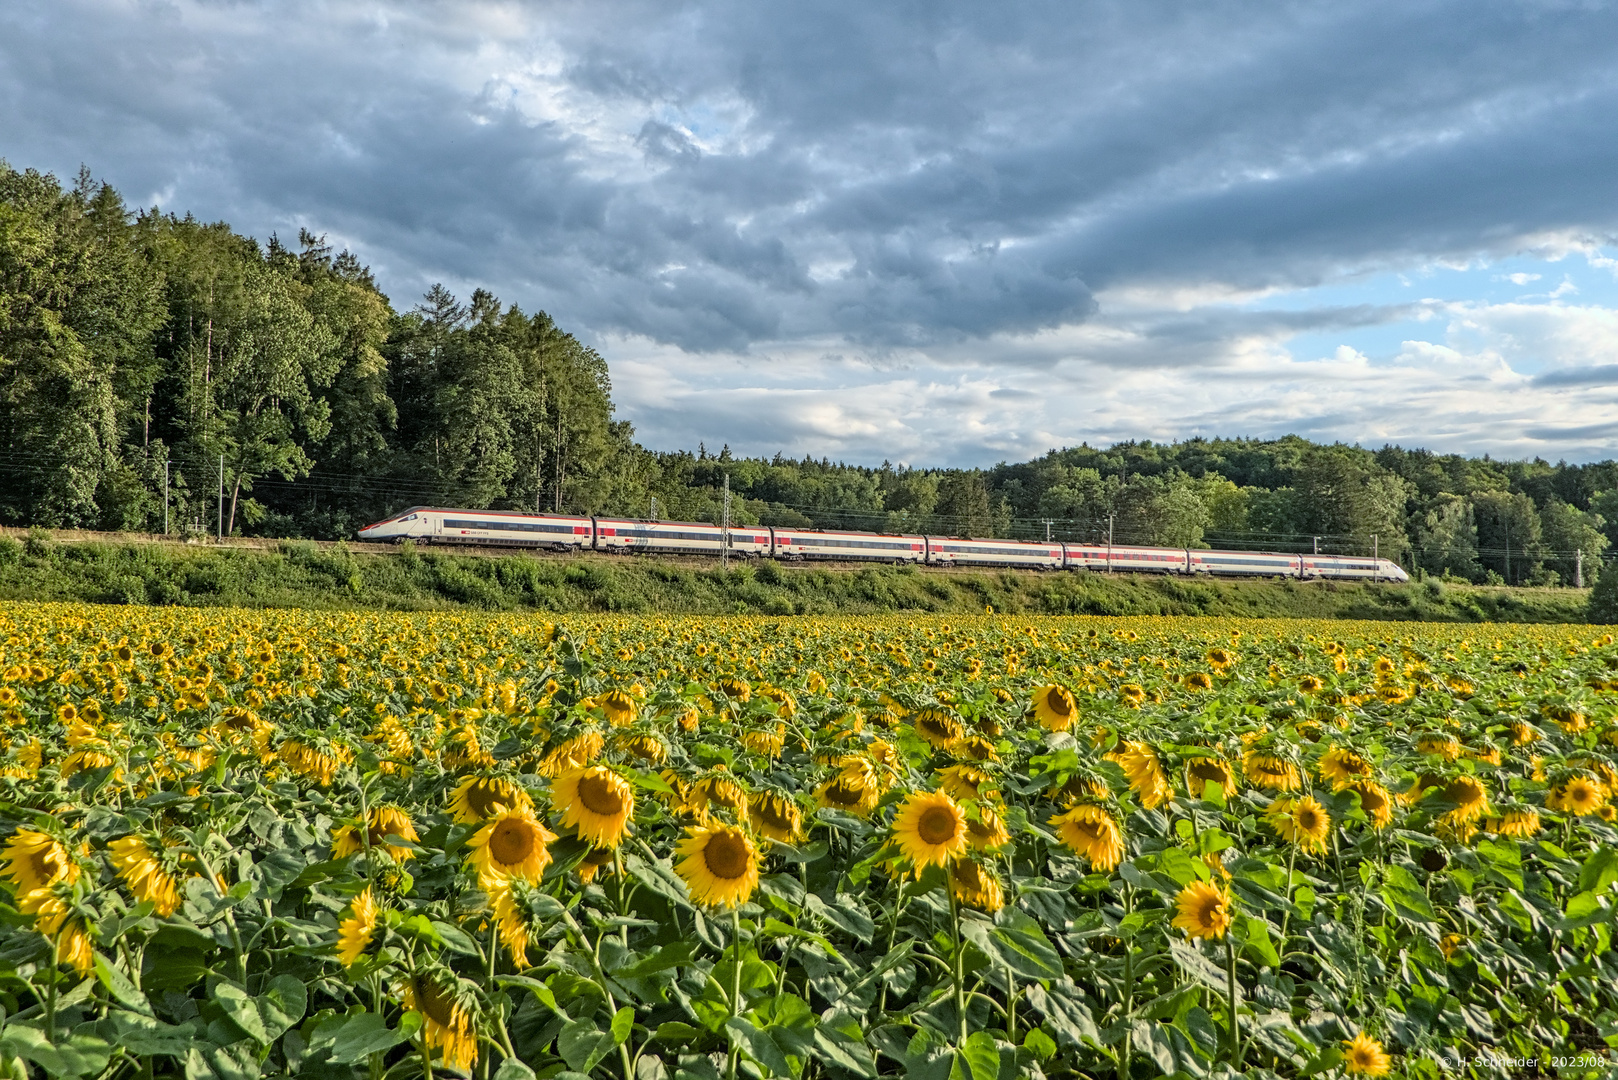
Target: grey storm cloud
(723, 175)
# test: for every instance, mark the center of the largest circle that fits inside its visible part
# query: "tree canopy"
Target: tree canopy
(276, 391)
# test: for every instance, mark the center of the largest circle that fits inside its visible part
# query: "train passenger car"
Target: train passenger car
(1244, 564)
(800, 544)
(942, 552)
(1349, 567)
(1121, 559)
(435, 525)
(626, 536)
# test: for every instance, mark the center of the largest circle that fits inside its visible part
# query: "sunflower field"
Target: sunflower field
(247, 843)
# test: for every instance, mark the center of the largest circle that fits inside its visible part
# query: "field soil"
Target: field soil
(112, 568)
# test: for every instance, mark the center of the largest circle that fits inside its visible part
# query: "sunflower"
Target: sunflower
(1470, 799)
(596, 803)
(1204, 910)
(1054, 707)
(1310, 684)
(509, 904)
(776, 816)
(1145, 772)
(719, 789)
(35, 860)
(619, 707)
(987, 830)
(573, 753)
(448, 1024)
(962, 782)
(1580, 795)
(69, 934)
(976, 885)
(595, 861)
(513, 844)
(354, 933)
(1340, 767)
(385, 821)
(1093, 833)
(1202, 771)
(973, 747)
(1523, 733)
(937, 727)
(1364, 1055)
(1447, 747)
(1450, 944)
(766, 743)
(1198, 681)
(1080, 788)
(1375, 800)
(1302, 821)
(143, 872)
(1271, 772)
(314, 763)
(930, 829)
(481, 797)
(719, 864)
(1519, 823)
(856, 789)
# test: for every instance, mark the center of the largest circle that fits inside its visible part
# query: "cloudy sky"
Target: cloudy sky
(935, 232)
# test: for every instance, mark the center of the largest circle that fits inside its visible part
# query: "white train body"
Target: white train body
(560, 532)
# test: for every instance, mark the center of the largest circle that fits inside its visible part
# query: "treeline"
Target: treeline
(155, 368)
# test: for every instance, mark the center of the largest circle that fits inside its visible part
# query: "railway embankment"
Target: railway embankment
(120, 568)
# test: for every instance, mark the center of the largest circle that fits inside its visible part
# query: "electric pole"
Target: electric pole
(1578, 568)
(1373, 545)
(654, 505)
(1109, 542)
(1047, 523)
(166, 465)
(724, 529)
(221, 496)
(1317, 545)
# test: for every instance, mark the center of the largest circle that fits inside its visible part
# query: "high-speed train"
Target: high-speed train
(557, 532)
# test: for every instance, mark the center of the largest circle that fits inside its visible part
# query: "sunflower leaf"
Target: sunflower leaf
(583, 1044)
(758, 1045)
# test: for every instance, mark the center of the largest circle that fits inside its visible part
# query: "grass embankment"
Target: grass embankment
(307, 576)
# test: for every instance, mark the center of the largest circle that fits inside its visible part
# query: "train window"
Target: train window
(507, 526)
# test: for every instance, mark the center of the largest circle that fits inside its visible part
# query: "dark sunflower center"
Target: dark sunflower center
(435, 1003)
(1208, 771)
(1308, 820)
(725, 855)
(600, 795)
(967, 873)
(938, 825)
(482, 796)
(512, 842)
(841, 794)
(774, 814)
(44, 863)
(1058, 702)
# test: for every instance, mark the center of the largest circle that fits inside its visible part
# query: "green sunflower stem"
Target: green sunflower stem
(1286, 915)
(735, 984)
(1230, 994)
(1124, 1049)
(959, 969)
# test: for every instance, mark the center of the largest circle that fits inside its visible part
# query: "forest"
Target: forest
(158, 373)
